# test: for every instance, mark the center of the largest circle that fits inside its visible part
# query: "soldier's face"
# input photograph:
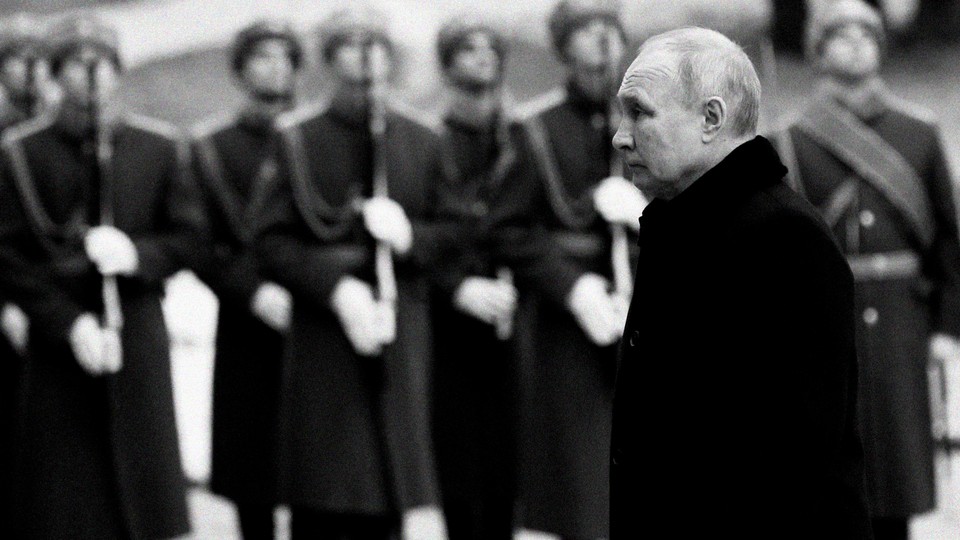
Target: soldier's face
(593, 51)
(268, 70)
(23, 74)
(88, 78)
(659, 136)
(358, 61)
(476, 64)
(851, 52)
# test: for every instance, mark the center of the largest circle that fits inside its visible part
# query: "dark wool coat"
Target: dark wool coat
(905, 213)
(563, 151)
(97, 457)
(354, 430)
(235, 165)
(736, 393)
(475, 378)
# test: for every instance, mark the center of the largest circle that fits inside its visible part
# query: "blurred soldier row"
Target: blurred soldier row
(413, 313)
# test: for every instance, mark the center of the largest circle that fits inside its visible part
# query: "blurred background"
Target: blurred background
(177, 71)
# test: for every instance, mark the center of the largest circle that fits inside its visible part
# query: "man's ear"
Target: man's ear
(714, 118)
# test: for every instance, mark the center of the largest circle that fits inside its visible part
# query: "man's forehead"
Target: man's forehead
(649, 69)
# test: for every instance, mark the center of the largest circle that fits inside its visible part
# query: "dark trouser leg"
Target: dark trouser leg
(256, 521)
(891, 528)
(309, 524)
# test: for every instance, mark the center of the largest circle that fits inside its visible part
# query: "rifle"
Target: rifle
(112, 319)
(383, 258)
(620, 249)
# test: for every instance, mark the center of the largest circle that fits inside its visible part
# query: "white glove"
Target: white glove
(490, 300)
(16, 326)
(386, 222)
(98, 351)
(273, 305)
(353, 302)
(424, 523)
(594, 310)
(619, 201)
(111, 250)
(944, 348)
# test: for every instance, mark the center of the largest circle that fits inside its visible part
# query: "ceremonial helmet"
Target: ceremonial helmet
(837, 14)
(250, 36)
(76, 32)
(569, 15)
(21, 33)
(454, 34)
(353, 23)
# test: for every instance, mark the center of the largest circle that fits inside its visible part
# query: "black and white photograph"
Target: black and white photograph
(479, 270)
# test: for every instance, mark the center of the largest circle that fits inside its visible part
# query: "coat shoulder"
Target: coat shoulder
(415, 117)
(25, 131)
(539, 105)
(152, 127)
(301, 115)
(212, 126)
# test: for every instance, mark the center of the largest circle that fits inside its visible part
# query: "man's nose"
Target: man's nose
(622, 140)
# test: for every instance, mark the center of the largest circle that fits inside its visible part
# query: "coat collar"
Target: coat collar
(751, 167)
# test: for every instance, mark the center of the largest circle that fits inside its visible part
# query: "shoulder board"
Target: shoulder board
(27, 128)
(539, 105)
(300, 114)
(211, 125)
(409, 112)
(152, 125)
(913, 110)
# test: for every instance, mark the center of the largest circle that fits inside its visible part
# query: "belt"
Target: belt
(578, 244)
(882, 266)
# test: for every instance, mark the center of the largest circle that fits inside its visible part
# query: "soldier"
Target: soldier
(96, 212)
(875, 166)
(475, 373)
(576, 193)
(347, 234)
(22, 67)
(235, 164)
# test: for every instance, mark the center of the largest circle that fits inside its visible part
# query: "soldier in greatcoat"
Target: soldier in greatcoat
(875, 166)
(235, 163)
(575, 195)
(95, 212)
(475, 376)
(348, 234)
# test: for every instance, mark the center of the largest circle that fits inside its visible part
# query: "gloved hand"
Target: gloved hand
(944, 348)
(618, 201)
(111, 250)
(273, 305)
(353, 302)
(98, 351)
(16, 326)
(424, 523)
(386, 222)
(594, 310)
(490, 300)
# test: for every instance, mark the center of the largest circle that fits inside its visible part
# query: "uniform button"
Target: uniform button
(871, 316)
(617, 456)
(480, 208)
(867, 218)
(634, 338)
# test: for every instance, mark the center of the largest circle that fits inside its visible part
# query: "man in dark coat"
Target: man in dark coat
(235, 164)
(475, 376)
(569, 189)
(22, 69)
(347, 234)
(89, 202)
(876, 169)
(736, 393)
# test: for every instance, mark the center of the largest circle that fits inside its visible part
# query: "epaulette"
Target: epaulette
(152, 125)
(417, 116)
(26, 128)
(538, 105)
(211, 125)
(300, 114)
(913, 110)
